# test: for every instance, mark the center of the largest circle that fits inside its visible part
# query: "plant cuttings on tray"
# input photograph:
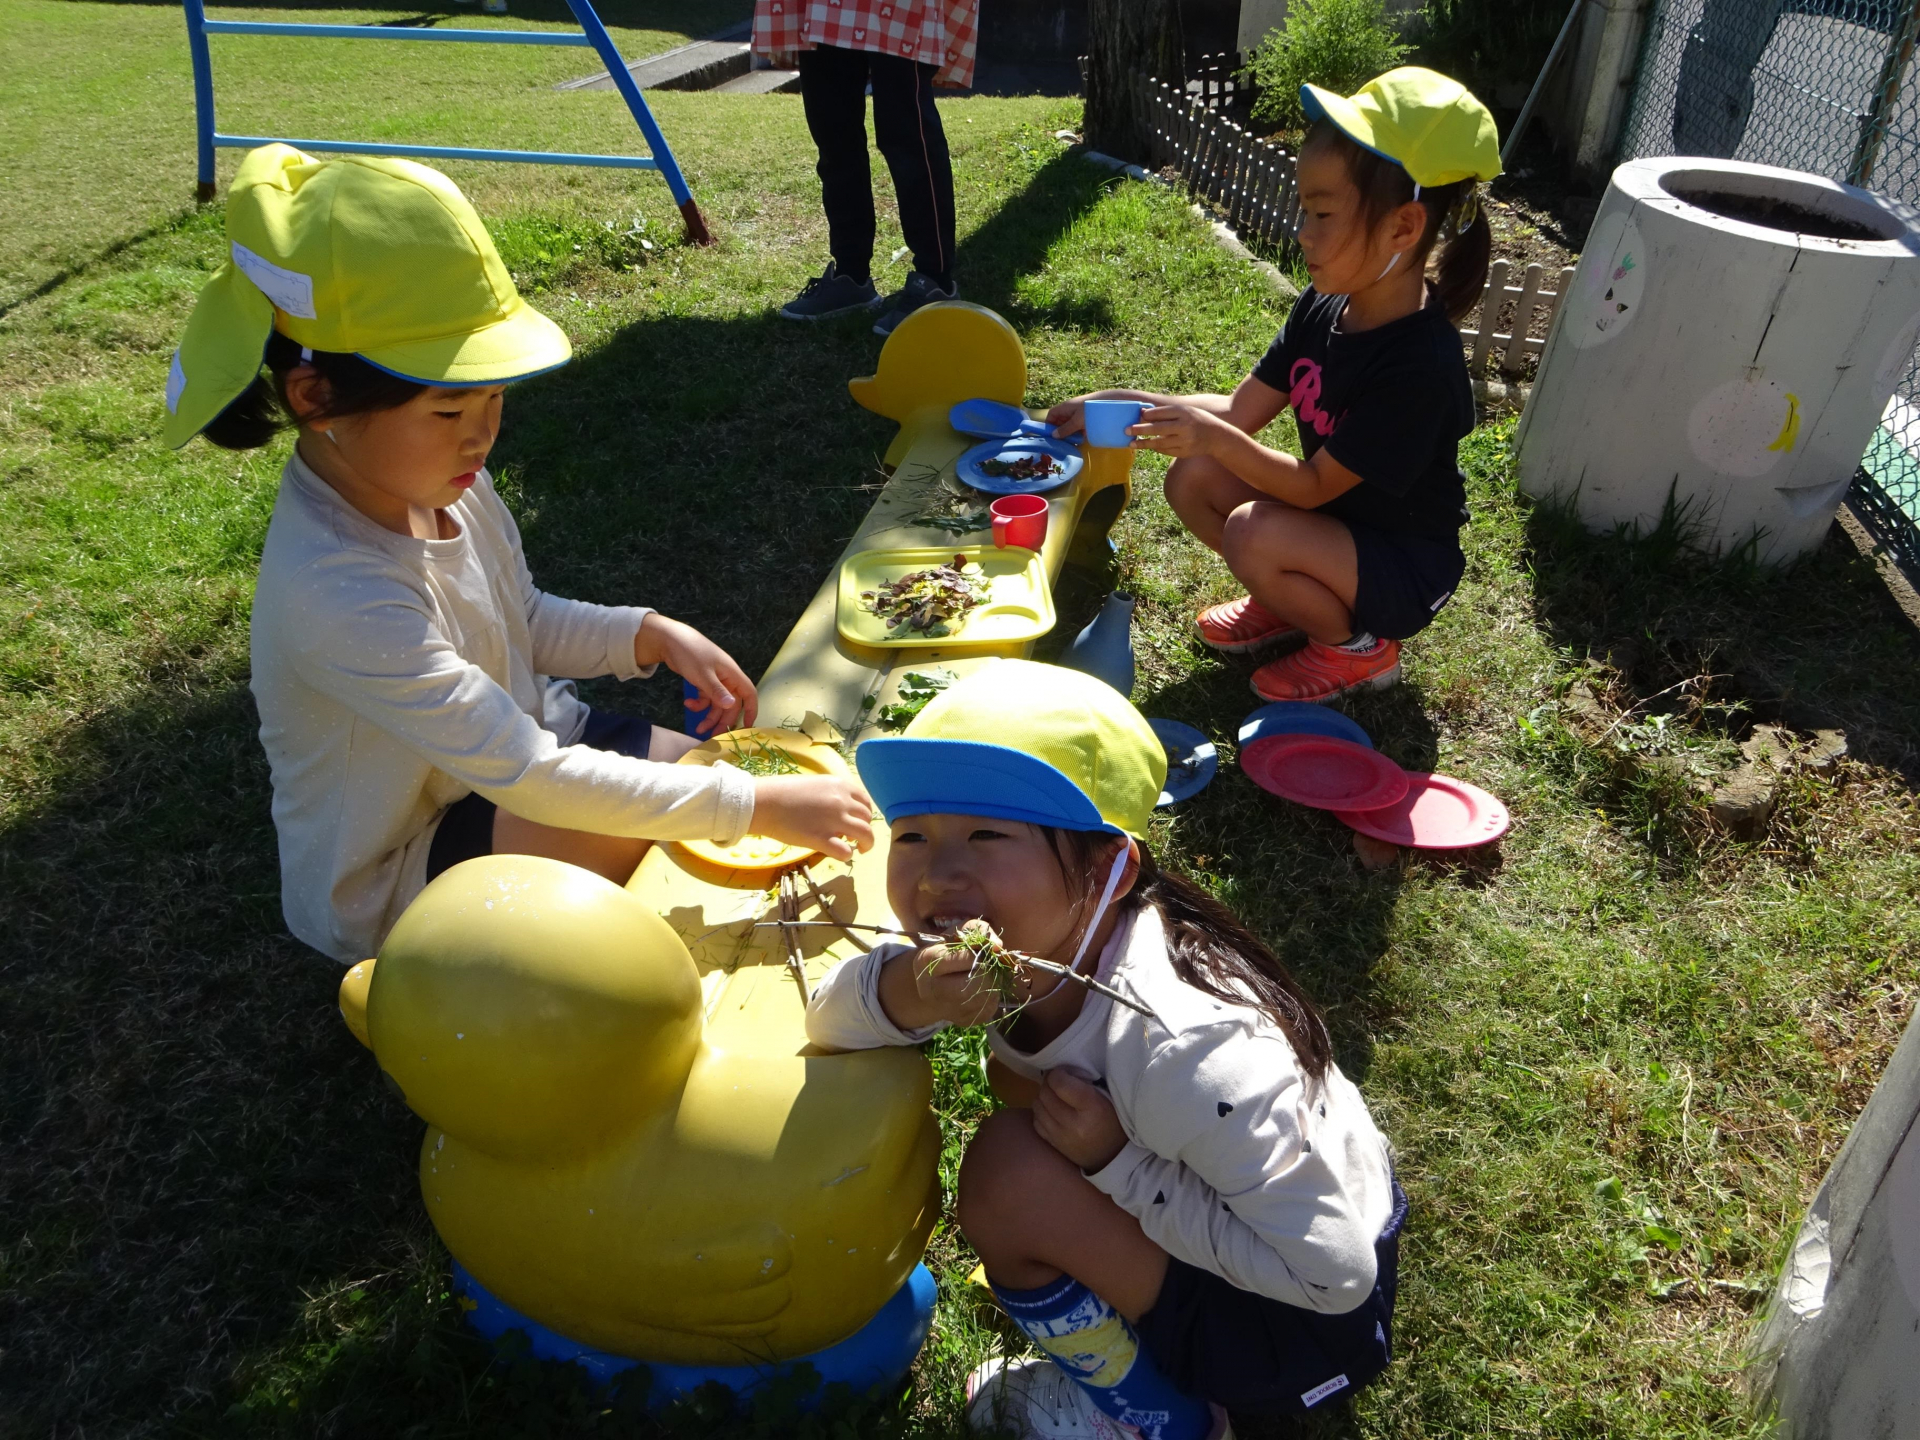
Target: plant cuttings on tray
(1036, 466)
(755, 756)
(931, 602)
(917, 687)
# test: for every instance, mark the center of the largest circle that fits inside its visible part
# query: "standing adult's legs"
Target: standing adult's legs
(833, 91)
(907, 128)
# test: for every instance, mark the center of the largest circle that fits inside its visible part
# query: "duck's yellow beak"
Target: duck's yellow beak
(353, 1000)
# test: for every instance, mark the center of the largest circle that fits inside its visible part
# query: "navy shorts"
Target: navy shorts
(466, 830)
(1261, 1356)
(1404, 580)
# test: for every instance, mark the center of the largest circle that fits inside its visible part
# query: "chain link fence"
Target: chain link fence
(1827, 86)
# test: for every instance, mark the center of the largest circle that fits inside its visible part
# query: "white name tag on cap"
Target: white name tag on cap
(1320, 1392)
(289, 290)
(176, 382)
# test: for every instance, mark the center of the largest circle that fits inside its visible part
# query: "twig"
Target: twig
(1087, 980)
(789, 911)
(826, 906)
(1049, 966)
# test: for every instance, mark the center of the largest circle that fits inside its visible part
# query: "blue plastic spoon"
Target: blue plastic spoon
(995, 420)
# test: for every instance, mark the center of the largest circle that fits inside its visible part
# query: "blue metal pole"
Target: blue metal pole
(441, 152)
(202, 96)
(397, 32)
(624, 82)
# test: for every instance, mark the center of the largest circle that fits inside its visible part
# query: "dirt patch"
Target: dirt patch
(1536, 220)
(1774, 213)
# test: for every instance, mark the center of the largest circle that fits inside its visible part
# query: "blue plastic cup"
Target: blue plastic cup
(694, 719)
(1107, 422)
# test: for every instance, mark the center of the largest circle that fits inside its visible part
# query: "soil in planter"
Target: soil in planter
(1776, 214)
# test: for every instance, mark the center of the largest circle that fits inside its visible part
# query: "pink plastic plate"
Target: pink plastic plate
(1437, 813)
(1323, 772)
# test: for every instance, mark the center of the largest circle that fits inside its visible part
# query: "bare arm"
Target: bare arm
(1181, 429)
(1251, 407)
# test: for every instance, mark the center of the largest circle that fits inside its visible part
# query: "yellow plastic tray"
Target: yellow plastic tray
(758, 852)
(1018, 607)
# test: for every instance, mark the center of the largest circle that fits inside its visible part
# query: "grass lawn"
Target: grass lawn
(1615, 1058)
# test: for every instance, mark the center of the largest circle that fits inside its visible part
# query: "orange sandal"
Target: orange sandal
(1241, 625)
(1319, 673)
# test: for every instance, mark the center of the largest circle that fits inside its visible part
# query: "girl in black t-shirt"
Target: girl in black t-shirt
(1355, 546)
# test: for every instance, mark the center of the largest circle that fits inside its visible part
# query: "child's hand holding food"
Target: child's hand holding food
(725, 692)
(938, 984)
(1078, 1120)
(828, 813)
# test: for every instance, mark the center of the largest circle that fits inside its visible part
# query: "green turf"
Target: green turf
(1614, 1057)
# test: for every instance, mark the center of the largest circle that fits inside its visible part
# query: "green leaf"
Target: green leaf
(1610, 1191)
(1663, 1235)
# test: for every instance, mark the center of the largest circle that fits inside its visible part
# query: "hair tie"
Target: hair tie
(1467, 213)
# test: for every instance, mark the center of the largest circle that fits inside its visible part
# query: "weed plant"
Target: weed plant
(1337, 44)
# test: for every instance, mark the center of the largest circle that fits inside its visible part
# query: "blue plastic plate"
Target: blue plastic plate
(995, 420)
(1300, 717)
(970, 473)
(1191, 760)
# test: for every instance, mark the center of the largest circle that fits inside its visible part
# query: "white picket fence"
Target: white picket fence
(1251, 184)
(1533, 310)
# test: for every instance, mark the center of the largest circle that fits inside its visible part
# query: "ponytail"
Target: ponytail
(1210, 948)
(1460, 275)
(261, 411)
(1452, 210)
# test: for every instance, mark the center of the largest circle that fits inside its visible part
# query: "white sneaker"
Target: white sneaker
(1037, 1400)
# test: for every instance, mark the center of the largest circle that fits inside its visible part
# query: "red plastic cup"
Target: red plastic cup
(1020, 520)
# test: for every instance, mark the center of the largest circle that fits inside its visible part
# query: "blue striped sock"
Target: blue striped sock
(1093, 1343)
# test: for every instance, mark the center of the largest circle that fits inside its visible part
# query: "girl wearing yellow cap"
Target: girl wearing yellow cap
(414, 686)
(1185, 1204)
(1353, 547)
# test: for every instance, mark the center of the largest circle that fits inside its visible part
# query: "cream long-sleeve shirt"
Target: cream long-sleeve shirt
(395, 676)
(1236, 1161)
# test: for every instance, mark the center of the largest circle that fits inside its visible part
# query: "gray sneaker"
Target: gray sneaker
(830, 293)
(919, 290)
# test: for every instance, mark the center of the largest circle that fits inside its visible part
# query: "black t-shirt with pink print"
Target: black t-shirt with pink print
(1391, 404)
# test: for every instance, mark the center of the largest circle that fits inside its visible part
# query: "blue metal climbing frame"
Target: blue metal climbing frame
(593, 36)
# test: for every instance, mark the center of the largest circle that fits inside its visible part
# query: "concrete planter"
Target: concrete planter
(1707, 354)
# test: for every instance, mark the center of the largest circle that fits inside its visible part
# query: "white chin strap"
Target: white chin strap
(1099, 913)
(1396, 258)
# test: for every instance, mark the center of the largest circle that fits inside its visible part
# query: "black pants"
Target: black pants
(833, 88)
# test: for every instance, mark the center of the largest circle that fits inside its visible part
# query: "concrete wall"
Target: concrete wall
(1587, 98)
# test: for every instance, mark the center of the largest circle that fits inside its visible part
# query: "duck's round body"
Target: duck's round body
(638, 1157)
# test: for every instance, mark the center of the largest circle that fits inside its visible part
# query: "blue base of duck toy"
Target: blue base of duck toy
(879, 1353)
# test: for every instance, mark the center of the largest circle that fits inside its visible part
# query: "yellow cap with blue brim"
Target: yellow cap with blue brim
(1432, 126)
(380, 258)
(1018, 740)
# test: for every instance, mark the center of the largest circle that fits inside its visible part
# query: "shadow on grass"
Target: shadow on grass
(214, 1225)
(1817, 644)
